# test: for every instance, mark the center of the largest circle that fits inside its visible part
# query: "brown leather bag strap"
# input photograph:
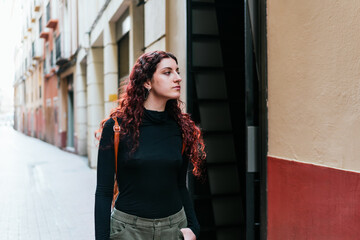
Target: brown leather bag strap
(116, 140)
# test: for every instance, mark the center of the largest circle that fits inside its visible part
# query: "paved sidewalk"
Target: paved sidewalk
(45, 193)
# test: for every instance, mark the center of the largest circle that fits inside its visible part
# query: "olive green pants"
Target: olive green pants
(130, 227)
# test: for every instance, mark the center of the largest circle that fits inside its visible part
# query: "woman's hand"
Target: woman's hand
(188, 234)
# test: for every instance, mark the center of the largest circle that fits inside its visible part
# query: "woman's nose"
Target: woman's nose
(177, 78)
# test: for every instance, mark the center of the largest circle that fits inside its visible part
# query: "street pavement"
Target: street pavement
(45, 193)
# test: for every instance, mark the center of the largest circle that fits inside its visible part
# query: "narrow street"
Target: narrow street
(45, 193)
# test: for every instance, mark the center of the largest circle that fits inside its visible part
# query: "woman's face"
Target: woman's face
(165, 82)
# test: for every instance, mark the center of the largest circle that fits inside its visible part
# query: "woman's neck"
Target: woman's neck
(155, 106)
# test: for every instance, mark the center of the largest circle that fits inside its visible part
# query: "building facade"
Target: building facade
(28, 82)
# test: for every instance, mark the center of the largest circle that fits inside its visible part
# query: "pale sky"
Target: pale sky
(9, 22)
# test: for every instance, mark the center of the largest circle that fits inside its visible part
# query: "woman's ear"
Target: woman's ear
(147, 84)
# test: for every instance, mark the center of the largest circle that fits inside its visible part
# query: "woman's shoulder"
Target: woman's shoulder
(108, 126)
(111, 122)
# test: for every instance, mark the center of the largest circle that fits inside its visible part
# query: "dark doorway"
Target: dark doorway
(123, 62)
(70, 114)
(225, 98)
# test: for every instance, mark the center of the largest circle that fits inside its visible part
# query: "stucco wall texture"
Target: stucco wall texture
(314, 81)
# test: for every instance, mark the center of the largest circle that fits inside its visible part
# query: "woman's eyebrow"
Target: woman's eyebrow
(177, 69)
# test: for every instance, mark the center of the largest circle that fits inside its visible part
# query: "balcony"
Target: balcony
(37, 5)
(61, 61)
(38, 52)
(46, 67)
(52, 23)
(61, 53)
(45, 34)
(51, 16)
(62, 44)
(49, 67)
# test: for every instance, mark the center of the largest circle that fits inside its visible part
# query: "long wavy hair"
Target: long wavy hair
(130, 111)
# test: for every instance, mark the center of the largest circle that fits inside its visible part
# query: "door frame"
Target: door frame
(262, 141)
(263, 118)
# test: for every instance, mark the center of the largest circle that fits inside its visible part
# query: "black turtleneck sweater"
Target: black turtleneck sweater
(152, 182)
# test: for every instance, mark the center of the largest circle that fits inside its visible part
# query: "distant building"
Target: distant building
(28, 77)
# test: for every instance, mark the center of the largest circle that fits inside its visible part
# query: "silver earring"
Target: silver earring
(147, 93)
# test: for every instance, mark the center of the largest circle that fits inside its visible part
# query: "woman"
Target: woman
(154, 202)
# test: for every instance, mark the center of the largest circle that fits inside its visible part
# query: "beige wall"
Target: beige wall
(176, 37)
(169, 35)
(313, 81)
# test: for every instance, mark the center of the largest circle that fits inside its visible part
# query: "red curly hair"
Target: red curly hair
(130, 110)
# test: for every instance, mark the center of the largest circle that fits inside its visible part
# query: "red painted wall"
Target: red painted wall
(306, 201)
(39, 126)
(50, 112)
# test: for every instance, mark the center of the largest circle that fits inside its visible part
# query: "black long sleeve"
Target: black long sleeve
(105, 182)
(193, 223)
(152, 182)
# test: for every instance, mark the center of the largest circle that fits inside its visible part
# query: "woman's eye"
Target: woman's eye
(178, 73)
(167, 73)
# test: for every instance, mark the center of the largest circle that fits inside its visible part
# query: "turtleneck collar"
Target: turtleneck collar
(151, 116)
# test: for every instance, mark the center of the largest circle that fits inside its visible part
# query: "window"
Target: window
(58, 47)
(40, 24)
(46, 60)
(52, 58)
(48, 12)
(33, 49)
